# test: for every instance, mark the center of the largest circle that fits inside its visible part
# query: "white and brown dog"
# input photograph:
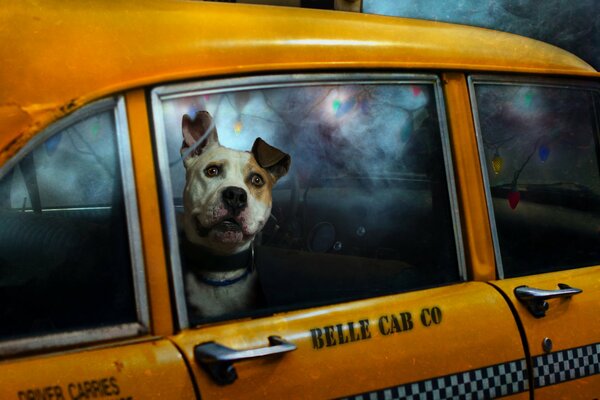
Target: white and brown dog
(227, 201)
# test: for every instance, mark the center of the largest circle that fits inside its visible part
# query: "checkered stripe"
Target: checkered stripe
(566, 365)
(484, 383)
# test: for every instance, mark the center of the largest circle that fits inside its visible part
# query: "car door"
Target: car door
(361, 263)
(539, 144)
(74, 315)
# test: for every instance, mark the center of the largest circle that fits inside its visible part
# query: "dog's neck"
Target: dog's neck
(200, 260)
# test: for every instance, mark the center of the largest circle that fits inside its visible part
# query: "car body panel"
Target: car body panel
(571, 324)
(149, 213)
(104, 47)
(366, 366)
(134, 371)
(479, 250)
(57, 59)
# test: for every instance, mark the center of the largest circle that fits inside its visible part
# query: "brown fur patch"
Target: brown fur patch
(262, 193)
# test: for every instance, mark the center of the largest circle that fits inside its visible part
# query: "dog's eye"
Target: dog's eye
(257, 180)
(211, 171)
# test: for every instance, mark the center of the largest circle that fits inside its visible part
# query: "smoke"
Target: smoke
(571, 25)
(330, 131)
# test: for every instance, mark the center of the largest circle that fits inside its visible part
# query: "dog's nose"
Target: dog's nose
(235, 199)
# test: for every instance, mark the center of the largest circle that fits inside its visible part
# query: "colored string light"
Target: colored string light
(514, 196)
(336, 105)
(528, 99)
(497, 163)
(237, 127)
(416, 90)
(544, 152)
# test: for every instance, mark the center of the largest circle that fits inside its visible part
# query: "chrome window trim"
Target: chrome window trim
(168, 92)
(132, 214)
(12, 347)
(168, 210)
(556, 82)
(450, 178)
(486, 180)
(27, 345)
(475, 79)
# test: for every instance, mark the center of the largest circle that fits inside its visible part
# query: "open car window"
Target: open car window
(366, 207)
(540, 147)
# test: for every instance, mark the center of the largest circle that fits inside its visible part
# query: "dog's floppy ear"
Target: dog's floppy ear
(270, 158)
(198, 133)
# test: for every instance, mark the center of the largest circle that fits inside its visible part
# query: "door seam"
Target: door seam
(188, 367)
(521, 328)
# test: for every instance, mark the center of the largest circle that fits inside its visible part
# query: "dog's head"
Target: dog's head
(227, 195)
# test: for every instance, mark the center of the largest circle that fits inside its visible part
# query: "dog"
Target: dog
(227, 201)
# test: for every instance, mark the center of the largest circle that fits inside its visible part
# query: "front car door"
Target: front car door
(361, 263)
(539, 147)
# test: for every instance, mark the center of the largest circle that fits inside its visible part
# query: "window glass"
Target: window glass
(362, 210)
(540, 145)
(64, 254)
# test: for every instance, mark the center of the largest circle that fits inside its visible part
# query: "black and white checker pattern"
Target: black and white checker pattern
(497, 380)
(566, 365)
(484, 383)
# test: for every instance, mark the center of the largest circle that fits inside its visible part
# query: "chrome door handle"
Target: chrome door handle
(535, 299)
(218, 360)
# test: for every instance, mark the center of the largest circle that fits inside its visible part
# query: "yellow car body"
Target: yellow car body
(59, 58)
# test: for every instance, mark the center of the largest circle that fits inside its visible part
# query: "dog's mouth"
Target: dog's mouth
(227, 232)
(226, 225)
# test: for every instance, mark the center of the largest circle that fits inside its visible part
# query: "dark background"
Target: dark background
(573, 25)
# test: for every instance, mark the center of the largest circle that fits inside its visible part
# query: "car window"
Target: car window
(65, 256)
(539, 146)
(363, 209)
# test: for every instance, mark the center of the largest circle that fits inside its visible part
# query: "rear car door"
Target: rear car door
(539, 145)
(361, 262)
(74, 315)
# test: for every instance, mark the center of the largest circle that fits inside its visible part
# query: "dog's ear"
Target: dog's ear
(270, 158)
(198, 133)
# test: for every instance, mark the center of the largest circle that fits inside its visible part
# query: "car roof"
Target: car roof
(57, 56)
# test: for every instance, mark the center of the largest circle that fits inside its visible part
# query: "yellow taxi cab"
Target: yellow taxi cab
(437, 235)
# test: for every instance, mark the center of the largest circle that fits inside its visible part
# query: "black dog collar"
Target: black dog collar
(198, 260)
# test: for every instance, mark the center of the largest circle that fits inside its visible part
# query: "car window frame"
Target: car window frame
(14, 347)
(287, 80)
(497, 79)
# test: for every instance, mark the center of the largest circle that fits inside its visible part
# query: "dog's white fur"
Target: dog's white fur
(212, 225)
(211, 301)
